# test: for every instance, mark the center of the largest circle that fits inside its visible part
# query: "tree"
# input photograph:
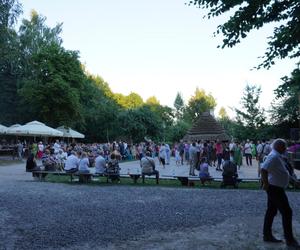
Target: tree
(152, 100)
(284, 112)
(52, 92)
(100, 111)
(34, 37)
(9, 58)
(200, 103)
(177, 131)
(251, 117)
(9, 12)
(247, 15)
(133, 100)
(223, 113)
(135, 124)
(179, 106)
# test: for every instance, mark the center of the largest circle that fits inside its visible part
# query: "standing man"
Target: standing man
(248, 153)
(193, 158)
(275, 179)
(181, 151)
(219, 154)
(162, 154)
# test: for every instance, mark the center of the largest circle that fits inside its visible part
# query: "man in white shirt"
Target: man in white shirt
(275, 177)
(193, 159)
(72, 163)
(248, 153)
(162, 154)
(56, 147)
(100, 163)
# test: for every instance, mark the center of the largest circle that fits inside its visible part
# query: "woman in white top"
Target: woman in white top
(84, 163)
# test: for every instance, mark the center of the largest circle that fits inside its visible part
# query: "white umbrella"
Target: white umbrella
(13, 129)
(36, 128)
(2, 129)
(70, 133)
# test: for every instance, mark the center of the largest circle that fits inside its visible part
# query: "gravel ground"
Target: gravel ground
(40, 215)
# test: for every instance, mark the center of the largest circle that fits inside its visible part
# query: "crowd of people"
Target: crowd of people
(273, 165)
(197, 154)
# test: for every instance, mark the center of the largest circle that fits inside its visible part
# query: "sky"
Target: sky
(161, 48)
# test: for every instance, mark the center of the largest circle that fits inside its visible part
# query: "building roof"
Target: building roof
(206, 128)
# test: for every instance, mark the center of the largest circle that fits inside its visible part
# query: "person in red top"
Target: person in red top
(219, 153)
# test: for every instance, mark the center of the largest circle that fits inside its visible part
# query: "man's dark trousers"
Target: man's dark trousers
(277, 200)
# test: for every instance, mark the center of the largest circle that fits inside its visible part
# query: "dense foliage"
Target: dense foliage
(244, 16)
(41, 80)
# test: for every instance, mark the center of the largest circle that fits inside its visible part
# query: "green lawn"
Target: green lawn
(149, 182)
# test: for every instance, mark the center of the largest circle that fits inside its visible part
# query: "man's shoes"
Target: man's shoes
(293, 244)
(272, 239)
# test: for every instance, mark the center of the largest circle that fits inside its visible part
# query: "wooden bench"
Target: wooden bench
(83, 177)
(155, 175)
(41, 174)
(111, 176)
(231, 181)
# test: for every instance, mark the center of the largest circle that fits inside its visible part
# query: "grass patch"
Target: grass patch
(101, 181)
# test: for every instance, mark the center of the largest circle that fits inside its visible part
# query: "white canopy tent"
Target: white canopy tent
(70, 133)
(3, 129)
(36, 128)
(12, 129)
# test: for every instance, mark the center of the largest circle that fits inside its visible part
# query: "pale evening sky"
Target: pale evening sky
(160, 47)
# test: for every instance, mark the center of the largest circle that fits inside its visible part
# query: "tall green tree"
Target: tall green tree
(35, 36)
(136, 124)
(9, 58)
(179, 106)
(200, 102)
(251, 117)
(100, 111)
(285, 112)
(52, 93)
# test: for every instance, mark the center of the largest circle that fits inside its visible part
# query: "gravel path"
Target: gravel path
(40, 215)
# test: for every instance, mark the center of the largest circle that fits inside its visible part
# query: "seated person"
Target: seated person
(72, 162)
(100, 163)
(148, 167)
(49, 161)
(61, 158)
(230, 169)
(83, 165)
(204, 173)
(112, 169)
